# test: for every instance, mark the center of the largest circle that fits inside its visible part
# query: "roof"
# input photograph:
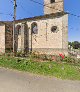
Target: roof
(58, 14)
(6, 23)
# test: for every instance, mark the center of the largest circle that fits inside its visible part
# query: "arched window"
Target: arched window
(52, 1)
(34, 28)
(54, 29)
(18, 29)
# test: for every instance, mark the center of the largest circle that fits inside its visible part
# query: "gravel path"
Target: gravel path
(14, 81)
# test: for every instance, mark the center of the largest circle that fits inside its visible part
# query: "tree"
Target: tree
(76, 45)
(70, 43)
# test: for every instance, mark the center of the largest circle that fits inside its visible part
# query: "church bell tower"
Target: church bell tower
(53, 6)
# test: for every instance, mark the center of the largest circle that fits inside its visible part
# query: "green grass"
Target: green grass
(59, 70)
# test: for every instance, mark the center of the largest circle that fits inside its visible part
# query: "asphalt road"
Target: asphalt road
(14, 81)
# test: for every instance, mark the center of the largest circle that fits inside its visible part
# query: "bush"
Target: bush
(37, 55)
(20, 54)
(70, 60)
(44, 57)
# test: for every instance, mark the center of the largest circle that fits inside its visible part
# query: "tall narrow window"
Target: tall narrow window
(18, 29)
(52, 1)
(34, 28)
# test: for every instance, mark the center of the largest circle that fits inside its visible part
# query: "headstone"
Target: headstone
(78, 56)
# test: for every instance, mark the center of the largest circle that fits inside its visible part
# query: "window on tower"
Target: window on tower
(52, 1)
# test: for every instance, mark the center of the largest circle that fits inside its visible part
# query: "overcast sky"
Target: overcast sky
(26, 8)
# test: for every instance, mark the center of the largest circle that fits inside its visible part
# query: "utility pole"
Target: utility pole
(14, 33)
(31, 41)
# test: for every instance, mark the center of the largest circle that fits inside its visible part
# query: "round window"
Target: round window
(54, 29)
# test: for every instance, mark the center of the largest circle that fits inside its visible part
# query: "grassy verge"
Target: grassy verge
(59, 70)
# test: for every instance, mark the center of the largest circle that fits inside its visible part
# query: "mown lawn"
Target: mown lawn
(57, 69)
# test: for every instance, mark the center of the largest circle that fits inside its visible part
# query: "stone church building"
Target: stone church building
(47, 34)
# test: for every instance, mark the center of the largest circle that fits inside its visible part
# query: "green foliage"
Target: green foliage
(59, 70)
(71, 60)
(45, 57)
(41, 56)
(20, 54)
(75, 44)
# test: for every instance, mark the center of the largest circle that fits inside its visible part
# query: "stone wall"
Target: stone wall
(65, 33)
(46, 41)
(2, 38)
(51, 42)
(23, 38)
(8, 37)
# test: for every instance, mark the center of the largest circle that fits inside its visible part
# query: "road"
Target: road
(15, 81)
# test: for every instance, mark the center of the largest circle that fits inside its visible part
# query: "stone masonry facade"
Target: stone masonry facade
(53, 6)
(45, 41)
(2, 38)
(6, 38)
